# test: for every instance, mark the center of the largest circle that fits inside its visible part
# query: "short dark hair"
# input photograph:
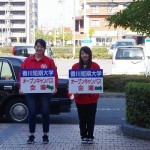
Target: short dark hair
(87, 50)
(41, 41)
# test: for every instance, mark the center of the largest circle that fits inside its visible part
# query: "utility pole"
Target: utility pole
(2, 35)
(62, 2)
(74, 20)
(7, 21)
(85, 26)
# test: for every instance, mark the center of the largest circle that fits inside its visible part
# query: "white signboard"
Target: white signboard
(147, 46)
(85, 81)
(37, 80)
(86, 43)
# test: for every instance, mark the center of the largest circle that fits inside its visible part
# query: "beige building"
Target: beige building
(18, 19)
(93, 15)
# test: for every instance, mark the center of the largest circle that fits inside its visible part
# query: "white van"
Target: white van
(130, 60)
(121, 42)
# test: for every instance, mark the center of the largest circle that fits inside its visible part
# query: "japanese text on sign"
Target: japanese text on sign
(37, 80)
(86, 81)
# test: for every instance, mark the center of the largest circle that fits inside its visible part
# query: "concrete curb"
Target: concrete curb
(112, 95)
(135, 131)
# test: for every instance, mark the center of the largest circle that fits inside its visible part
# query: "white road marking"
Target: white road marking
(105, 109)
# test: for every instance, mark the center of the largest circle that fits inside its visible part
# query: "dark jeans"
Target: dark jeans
(86, 113)
(38, 100)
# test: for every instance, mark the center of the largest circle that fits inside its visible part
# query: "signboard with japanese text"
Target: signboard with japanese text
(147, 46)
(86, 42)
(85, 81)
(37, 80)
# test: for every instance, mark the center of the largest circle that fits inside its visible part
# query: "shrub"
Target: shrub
(138, 104)
(5, 49)
(67, 52)
(117, 83)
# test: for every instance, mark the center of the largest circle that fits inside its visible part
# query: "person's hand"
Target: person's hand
(20, 92)
(55, 91)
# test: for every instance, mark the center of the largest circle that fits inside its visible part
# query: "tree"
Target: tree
(53, 37)
(68, 37)
(39, 34)
(91, 32)
(136, 17)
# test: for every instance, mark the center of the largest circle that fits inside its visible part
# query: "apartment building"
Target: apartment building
(18, 19)
(93, 15)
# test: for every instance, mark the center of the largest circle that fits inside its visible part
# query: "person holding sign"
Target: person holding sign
(86, 102)
(35, 68)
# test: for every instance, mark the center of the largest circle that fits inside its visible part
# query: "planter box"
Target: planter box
(135, 131)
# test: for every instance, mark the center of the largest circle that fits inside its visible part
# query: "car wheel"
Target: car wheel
(16, 111)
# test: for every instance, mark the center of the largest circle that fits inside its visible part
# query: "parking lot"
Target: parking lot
(63, 65)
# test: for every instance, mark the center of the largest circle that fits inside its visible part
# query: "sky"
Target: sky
(51, 13)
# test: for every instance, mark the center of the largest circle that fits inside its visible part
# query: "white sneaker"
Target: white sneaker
(90, 141)
(84, 141)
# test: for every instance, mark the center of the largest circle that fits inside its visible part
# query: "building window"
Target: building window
(111, 9)
(95, 9)
(95, 23)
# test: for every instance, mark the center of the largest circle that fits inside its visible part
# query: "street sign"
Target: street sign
(86, 42)
(147, 46)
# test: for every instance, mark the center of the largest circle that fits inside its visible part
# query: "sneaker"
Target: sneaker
(90, 141)
(45, 139)
(31, 139)
(84, 140)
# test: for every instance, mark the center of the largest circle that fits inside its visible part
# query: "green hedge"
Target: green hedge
(117, 83)
(5, 49)
(138, 104)
(67, 52)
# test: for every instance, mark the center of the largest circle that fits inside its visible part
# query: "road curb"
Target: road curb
(135, 131)
(112, 95)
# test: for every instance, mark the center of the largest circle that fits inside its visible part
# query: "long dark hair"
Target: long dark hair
(87, 50)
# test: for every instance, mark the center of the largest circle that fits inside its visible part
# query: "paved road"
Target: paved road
(63, 65)
(109, 112)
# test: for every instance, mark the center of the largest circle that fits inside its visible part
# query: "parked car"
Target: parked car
(130, 60)
(121, 42)
(24, 49)
(12, 104)
(111, 48)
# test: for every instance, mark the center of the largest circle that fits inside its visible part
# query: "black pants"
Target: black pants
(86, 114)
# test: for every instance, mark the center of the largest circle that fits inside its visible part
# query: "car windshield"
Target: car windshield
(124, 43)
(130, 53)
(112, 46)
(24, 50)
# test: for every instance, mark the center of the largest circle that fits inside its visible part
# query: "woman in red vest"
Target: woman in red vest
(39, 61)
(86, 103)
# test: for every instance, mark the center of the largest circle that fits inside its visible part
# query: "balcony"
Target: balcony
(18, 17)
(18, 8)
(108, 1)
(18, 34)
(101, 11)
(18, 0)
(22, 26)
